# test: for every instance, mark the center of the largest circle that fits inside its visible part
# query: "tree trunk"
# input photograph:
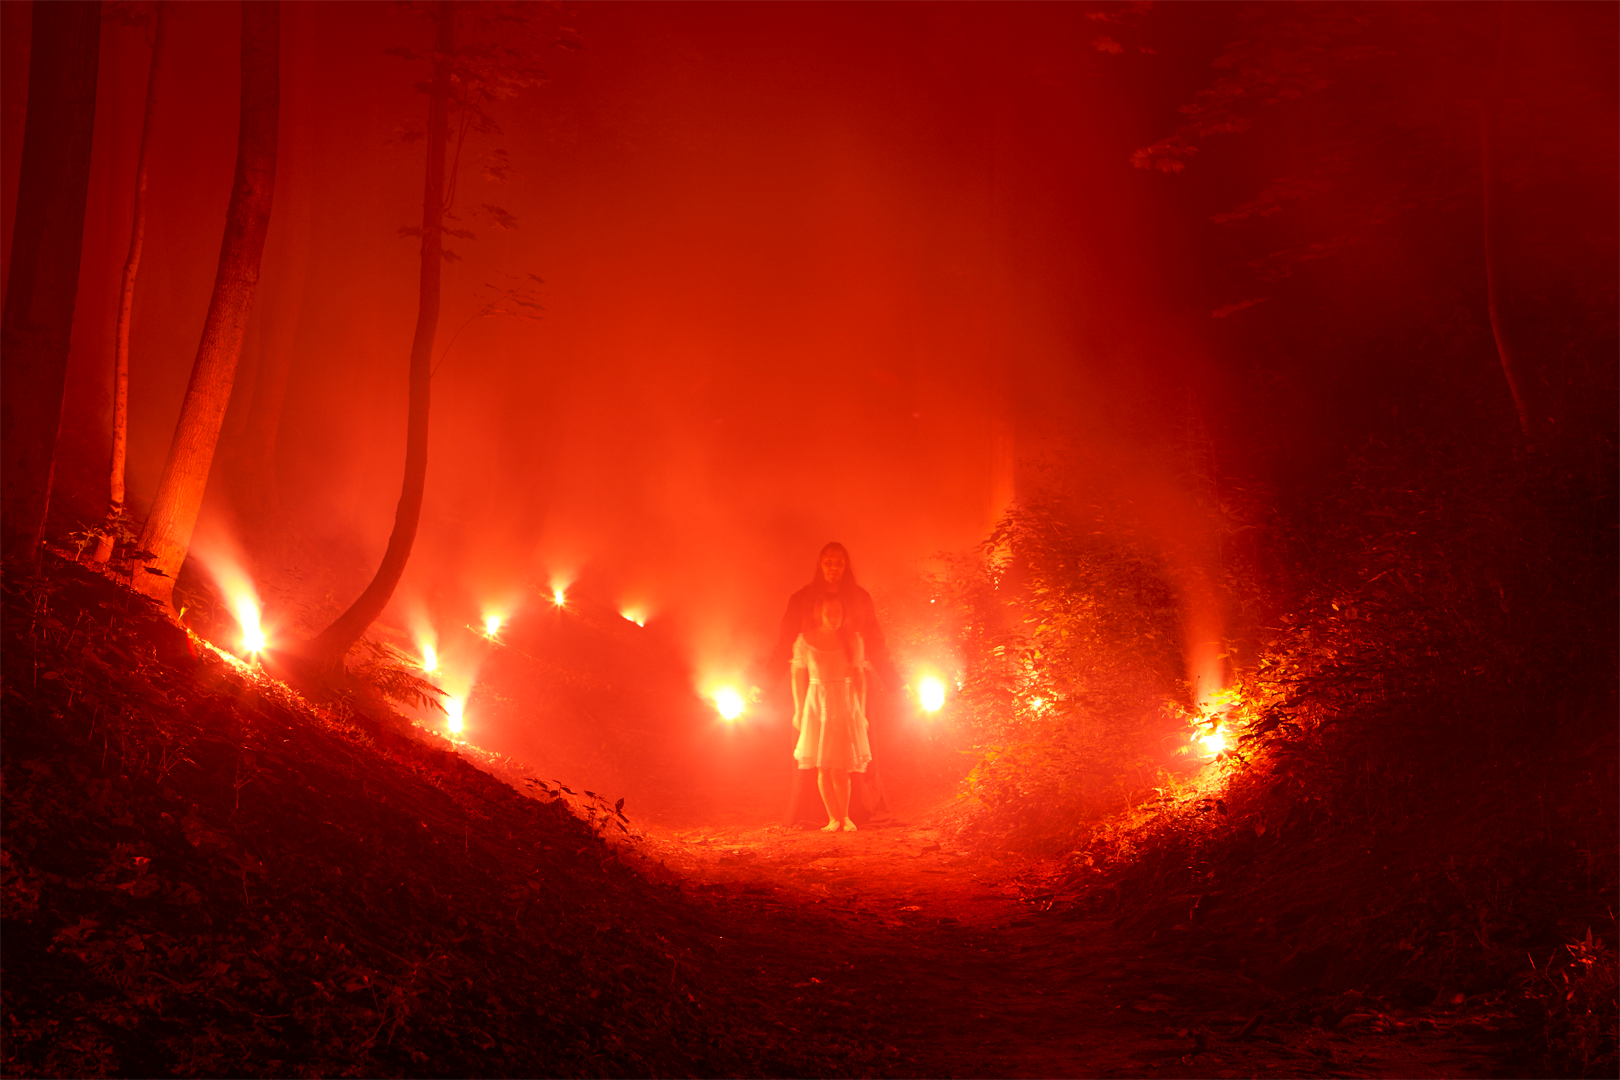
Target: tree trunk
(252, 488)
(126, 295)
(328, 648)
(1507, 351)
(185, 475)
(43, 280)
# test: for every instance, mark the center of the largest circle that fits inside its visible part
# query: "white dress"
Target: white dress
(832, 728)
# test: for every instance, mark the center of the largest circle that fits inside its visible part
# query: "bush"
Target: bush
(1454, 611)
(1422, 787)
(1070, 675)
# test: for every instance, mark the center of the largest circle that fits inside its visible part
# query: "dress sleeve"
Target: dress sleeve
(860, 653)
(799, 658)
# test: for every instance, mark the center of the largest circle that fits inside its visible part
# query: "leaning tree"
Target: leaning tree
(166, 536)
(481, 53)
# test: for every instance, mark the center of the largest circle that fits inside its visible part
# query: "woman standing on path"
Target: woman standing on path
(829, 707)
(834, 577)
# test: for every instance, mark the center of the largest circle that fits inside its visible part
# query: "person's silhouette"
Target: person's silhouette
(834, 577)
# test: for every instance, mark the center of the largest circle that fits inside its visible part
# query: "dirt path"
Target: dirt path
(891, 936)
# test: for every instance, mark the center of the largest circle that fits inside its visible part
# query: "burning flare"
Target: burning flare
(1212, 742)
(247, 615)
(728, 702)
(635, 615)
(430, 658)
(452, 707)
(492, 623)
(931, 693)
(1210, 738)
(559, 597)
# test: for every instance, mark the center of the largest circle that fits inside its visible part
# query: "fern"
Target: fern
(388, 671)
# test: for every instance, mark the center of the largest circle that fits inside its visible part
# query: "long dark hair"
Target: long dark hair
(849, 571)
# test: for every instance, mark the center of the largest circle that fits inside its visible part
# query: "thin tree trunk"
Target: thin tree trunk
(254, 494)
(167, 534)
(1507, 352)
(126, 295)
(328, 648)
(43, 274)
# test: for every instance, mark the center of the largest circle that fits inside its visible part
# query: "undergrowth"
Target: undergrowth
(208, 872)
(1421, 800)
(1068, 646)
(1418, 800)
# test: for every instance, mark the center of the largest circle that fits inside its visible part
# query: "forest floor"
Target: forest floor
(963, 966)
(207, 871)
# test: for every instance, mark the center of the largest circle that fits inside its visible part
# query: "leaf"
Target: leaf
(154, 571)
(618, 806)
(502, 219)
(498, 167)
(1232, 309)
(407, 133)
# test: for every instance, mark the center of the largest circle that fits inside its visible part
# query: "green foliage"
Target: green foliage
(1068, 642)
(1578, 987)
(1454, 609)
(598, 813)
(1423, 780)
(390, 672)
(124, 532)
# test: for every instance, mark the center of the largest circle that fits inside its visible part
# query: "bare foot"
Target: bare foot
(832, 826)
(849, 826)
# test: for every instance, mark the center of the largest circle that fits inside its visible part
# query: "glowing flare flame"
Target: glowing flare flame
(931, 693)
(492, 623)
(247, 615)
(728, 702)
(635, 615)
(1212, 739)
(452, 707)
(430, 658)
(559, 597)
